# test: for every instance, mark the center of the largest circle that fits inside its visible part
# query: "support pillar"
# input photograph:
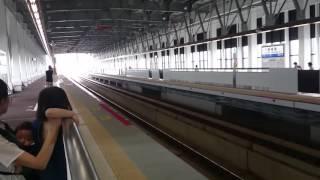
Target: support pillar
(288, 63)
(14, 51)
(6, 71)
(304, 46)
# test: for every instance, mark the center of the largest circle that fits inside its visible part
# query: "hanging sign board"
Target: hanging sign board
(273, 56)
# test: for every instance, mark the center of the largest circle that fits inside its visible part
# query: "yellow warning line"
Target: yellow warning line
(122, 166)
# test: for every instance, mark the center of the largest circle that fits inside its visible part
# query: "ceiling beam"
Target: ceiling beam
(53, 7)
(64, 32)
(102, 16)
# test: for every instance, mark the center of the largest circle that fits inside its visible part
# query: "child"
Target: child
(25, 141)
(23, 131)
(24, 134)
(24, 137)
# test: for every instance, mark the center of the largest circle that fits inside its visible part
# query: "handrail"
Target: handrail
(206, 69)
(79, 162)
(220, 69)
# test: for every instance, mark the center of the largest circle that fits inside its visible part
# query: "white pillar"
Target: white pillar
(304, 46)
(22, 54)
(239, 58)
(252, 53)
(287, 59)
(317, 63)
(14, 49)
(5, 75)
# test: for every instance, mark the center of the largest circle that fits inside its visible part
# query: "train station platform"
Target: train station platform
(24, 104)
(306, 101)
(117, 147)
(222, 125)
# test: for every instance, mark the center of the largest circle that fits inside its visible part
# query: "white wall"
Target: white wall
(276, 80)
(138, 73)
(284, 81)
(224, 78)
(20, 48)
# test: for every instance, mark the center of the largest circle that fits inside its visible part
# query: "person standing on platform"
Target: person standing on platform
(296, 66)
(310, 65)
(49, 77)
(196, 69)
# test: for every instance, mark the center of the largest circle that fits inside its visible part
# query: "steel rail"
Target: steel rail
(227, 173)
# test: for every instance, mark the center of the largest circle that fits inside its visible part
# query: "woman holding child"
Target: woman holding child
(12, 157)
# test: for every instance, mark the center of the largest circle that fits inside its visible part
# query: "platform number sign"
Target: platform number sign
(273, 56)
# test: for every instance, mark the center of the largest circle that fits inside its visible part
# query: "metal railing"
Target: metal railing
(219, 69)
(204, 69)
(80, 165)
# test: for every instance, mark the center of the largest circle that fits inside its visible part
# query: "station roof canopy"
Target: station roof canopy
(90, 25)
(93, 26)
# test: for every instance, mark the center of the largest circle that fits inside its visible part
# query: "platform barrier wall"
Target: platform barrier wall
(138, 73)
(155, 74)
(79, 163)
(276, 80)
(222, 78)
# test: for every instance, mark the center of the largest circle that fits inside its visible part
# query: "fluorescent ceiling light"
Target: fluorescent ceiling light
(34, 7)
(34, 11)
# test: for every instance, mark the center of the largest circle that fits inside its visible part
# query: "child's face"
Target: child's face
(25, 137)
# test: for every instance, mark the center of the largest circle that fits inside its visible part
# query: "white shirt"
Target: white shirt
(9, 152)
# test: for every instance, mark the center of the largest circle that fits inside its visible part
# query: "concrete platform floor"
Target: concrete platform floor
(23, 104)
(119, 149)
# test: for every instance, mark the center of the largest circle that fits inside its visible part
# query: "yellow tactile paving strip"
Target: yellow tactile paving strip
(121, 165)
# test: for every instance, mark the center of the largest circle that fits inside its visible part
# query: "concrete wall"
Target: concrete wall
(223, 78)
(25, 58)
(138, 73)
(277, 80)
(283, 80)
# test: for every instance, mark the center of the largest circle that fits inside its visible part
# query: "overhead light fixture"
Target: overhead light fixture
(34, 7)
(35, 14)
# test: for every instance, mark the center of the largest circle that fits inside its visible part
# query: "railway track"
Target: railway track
(205, 164)
(232, 152)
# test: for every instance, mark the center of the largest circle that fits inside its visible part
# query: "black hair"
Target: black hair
(3, 90)
(51, 97)
(26, 125)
